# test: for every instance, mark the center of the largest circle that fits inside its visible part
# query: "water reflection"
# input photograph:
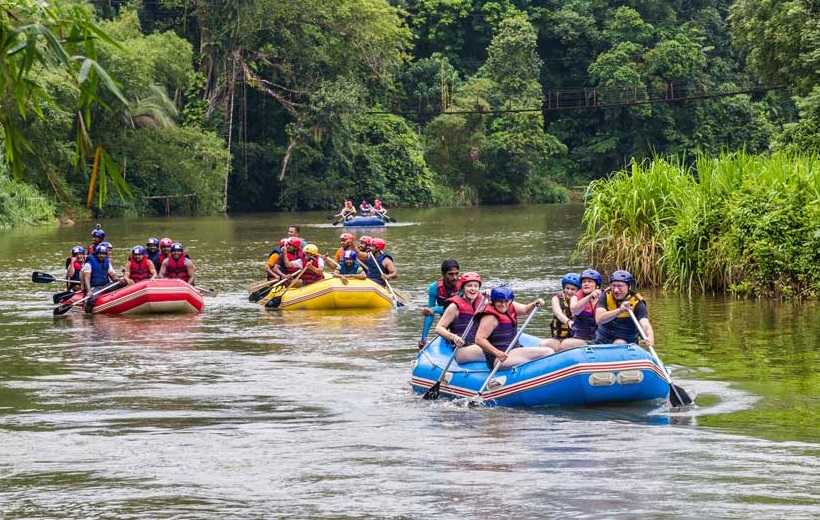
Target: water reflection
(244, 413)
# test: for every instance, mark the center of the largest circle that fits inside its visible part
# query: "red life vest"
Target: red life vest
(443, 293)
(140, 270)
(309, 276)
(177, 268)
(507, 327)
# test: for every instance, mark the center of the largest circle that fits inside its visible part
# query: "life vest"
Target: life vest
(559, 329)
(177, 268)
(583, 323)
(365, 209)
(99, 271)
(373, 271)
(156, 259)
(75, 278)
(309, 276)
(622, 327)
(504, 333)
(291, 258)
(139, 270)
(443, 293)
(355, 268)
(466, 311)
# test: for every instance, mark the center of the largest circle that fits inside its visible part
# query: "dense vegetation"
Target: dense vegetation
(745, 224)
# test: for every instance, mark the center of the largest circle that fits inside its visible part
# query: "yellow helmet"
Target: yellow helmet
(311, 249)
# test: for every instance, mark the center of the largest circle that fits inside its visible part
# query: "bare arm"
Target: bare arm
(446, 319)
(486, 327)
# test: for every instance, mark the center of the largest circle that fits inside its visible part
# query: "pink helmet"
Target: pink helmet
(166, 242)
(471, 276)
(365, 239)
(295, 242)
(379, 244)
(347, 236)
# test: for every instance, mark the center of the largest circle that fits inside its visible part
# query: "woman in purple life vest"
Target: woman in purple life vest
(459, 311)
(497, 327)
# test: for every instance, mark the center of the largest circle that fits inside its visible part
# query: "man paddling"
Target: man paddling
(615, 325)
(438, 293)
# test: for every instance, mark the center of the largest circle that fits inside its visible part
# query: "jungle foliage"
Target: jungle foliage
(738, 223)
(266, 105)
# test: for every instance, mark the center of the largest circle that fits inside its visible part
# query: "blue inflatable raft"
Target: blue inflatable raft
(592, 374)
(360, 221)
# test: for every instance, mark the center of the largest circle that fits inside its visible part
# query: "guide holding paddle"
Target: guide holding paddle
(612, 314)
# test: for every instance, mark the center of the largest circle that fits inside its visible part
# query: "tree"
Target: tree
(34, 36)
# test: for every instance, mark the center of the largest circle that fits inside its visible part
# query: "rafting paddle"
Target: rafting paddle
(399, 302)
(260, 293)
(677, 395)
(62, 309)
(432, 393)
(476, 399)
(273, 301)
(63, 296)
(39, 277)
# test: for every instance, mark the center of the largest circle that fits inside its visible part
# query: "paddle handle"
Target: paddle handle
(392, 292)
(509, 348)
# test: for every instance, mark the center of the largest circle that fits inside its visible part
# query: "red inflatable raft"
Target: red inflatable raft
(162, 296)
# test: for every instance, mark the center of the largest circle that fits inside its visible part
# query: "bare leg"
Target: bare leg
(553, 343)
(568, 343)
(470, 353)
(522, 355)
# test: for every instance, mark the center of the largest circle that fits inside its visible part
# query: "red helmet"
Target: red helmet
(366, 239)
(379, 244)
(166, 242)
(295, 242)
(283, 242)
(347, 236)
(471, 276)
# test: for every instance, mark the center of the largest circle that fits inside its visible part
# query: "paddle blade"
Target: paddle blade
(274, 302)
(38, 277)
(256, 296)
(207, 291)
(62, 296)
(678, 396)
(432, 393)
(62, 309)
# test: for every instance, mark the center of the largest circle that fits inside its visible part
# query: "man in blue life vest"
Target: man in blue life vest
(615, 325)
(97, 270)
(438, 293)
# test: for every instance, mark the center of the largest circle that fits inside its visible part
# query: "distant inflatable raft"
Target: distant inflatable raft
(360, 221)
(593, 374)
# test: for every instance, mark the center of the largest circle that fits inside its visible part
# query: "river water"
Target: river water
(245, 413)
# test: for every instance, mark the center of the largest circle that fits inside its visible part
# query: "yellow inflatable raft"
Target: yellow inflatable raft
(331, 293)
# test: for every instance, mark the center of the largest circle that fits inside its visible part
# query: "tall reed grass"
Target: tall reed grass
(21, 204)
(737, 223)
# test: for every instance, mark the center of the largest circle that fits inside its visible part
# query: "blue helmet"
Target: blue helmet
(153, 241)
(107, 244)
(100, 249)
(622, 276)
(502, 293)
(349, 255)
(572, 279)
(98, 232)
(77, 250)
(137, 250)
(177, 246)
(594, 275)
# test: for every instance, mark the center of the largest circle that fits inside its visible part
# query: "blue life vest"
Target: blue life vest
(373, 272)
(99, 271)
